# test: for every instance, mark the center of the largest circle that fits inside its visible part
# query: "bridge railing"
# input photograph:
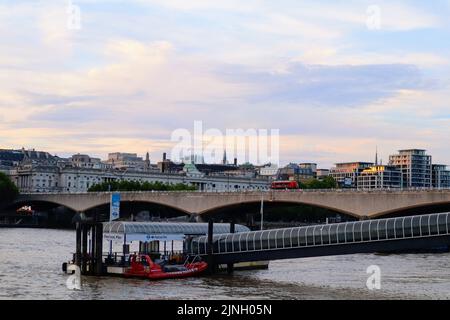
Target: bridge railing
(327, 235)
(385, 190)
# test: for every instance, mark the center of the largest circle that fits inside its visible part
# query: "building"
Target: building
(167, 166)
(298, 172)
(440, 176)
(85, 161)
(119, 160)
(346, 174)
(191, 171)
(40, 178)
(380, 177)
(269, 170)
(80, 172)
(322, 173)
(11, 158)
(308, 171)
(416, 167)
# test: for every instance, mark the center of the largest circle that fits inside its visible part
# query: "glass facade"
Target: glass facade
(415, 166)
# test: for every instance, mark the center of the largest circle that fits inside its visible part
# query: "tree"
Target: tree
(326, 183)
(8, 190)
(139, 186)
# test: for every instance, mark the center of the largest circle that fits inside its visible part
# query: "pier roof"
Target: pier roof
(125, 227)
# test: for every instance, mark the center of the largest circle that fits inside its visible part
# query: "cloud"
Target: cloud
(138, 70)
(331, 86)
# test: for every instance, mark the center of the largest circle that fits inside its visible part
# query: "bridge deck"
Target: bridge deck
(415, 232)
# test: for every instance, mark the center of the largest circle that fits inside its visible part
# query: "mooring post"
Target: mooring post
(93, 250)
(211, 266)
(78, 244)
(230, 266)
(99, 249)
(84, 246)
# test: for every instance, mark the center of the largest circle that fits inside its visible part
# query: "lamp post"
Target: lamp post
(262, 211)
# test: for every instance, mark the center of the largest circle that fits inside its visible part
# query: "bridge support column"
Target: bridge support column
(210, 258)
(230, 266)
(78, 244)
(84, 245)
(98, 249)
(93, 251)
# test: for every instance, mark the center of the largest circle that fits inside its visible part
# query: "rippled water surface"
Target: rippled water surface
(30, 268)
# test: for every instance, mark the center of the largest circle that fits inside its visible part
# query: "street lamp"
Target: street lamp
(262, 211)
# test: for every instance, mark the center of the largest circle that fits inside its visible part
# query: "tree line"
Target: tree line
(139, 186)
(325, 183)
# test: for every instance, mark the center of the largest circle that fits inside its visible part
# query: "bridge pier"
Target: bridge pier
(84, 244)
(98, 248)
(78, 244)
(210, 256)
(230, 266)
(89, 262)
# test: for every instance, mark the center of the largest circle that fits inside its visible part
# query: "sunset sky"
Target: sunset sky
(137, 70)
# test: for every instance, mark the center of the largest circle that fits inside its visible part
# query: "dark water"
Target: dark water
(30, 268)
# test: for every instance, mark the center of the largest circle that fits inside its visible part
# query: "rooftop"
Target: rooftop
(126, 227)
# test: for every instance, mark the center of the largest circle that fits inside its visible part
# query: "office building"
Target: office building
(415, 166)
(380, 177)
(346, 174)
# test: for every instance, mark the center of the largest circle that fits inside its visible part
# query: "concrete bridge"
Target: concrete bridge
(358, 204)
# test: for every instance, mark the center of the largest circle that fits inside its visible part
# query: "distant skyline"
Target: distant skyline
(137, 70)
(376, 158)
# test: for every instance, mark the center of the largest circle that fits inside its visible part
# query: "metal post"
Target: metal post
(84, 244)
(93, 250)
(262, 212)
(99, 249)
(78, 244)
(165, 249)
(211, 266)
(230, 266)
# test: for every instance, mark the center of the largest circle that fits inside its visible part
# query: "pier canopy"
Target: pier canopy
(362, 233)
(162, 231)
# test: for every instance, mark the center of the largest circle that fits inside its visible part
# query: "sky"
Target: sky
(337, 78)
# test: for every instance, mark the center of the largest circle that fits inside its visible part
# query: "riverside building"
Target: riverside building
(416, 167)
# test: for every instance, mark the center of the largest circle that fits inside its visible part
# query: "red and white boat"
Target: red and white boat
(142, 266)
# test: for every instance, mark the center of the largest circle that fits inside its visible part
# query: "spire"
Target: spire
(147, 162)
(376, 155)
(225, 156)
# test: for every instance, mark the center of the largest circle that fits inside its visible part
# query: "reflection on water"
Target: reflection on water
(30, 268)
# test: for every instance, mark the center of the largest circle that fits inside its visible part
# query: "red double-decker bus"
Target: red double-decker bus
(285, 185)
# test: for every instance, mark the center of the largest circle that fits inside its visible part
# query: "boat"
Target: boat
(142, 266)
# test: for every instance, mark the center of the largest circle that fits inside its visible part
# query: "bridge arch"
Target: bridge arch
(52, 204)
(416, 209)
(211, 211)
(162, 204)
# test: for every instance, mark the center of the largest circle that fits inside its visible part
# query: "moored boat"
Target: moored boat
(142, 266)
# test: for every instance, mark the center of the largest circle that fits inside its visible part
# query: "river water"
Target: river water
(30, 268)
